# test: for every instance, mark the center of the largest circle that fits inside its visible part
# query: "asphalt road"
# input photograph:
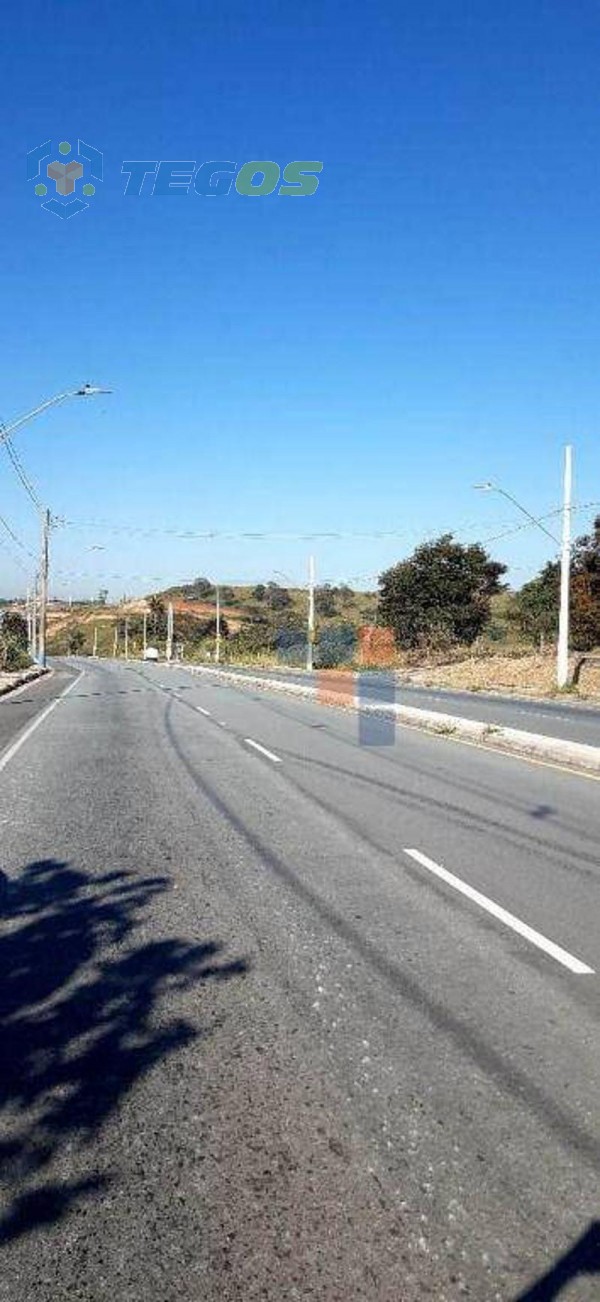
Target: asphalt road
(255, 1049)
(566, 718)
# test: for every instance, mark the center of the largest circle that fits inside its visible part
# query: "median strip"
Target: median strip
(511, 741)
(522, 929)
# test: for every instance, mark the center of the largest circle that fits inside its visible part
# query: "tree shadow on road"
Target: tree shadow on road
(582, 1259)
(83, 1017)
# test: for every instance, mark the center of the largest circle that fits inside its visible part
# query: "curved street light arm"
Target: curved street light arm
(84, 391)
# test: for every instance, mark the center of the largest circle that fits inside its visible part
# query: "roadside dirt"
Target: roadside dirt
(532, 675)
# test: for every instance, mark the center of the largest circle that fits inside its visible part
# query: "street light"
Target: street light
(562, 651)
(489, 487)
(6, 431)
(84, 391)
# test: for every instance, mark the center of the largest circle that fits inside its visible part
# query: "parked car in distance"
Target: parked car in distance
(151, 653)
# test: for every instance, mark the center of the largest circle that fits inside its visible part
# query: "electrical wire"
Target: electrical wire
(15, 537)
(21, 472)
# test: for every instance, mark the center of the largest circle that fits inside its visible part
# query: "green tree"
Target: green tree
(102, 596)
(259, 592)
(203, 588)
(13, 641)
(440, 595)
(585, 590)
(325, 603)
(158, 616)
(14, 628)
(537, 603)
(336, 646)
(277, 598)
(75, 638)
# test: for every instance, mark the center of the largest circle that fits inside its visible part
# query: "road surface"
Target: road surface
(288, 1017)
(565, 718)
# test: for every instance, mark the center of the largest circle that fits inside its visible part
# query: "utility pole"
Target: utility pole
(311, 614)
(170, 631)
(29, 624)
(116, 642)
(95, 649)
(218, 627)
(44, 566)
(34, 615)
(562, 657)
(126, 637)
(145, 631)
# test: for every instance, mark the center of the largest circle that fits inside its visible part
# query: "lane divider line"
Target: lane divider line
(201, 710)
(535, 937)
(16, 746)
(263, 750)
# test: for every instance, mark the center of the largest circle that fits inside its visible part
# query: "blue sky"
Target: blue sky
(350, 362)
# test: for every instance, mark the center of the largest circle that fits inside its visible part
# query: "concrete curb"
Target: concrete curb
(513, 741)
(22, 678)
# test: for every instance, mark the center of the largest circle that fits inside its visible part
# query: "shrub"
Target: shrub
(12, 656)
(336, 646)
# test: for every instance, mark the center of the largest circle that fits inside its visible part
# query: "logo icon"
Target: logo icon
(58, 176)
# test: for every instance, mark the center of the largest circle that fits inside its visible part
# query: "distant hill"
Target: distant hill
(254, 617)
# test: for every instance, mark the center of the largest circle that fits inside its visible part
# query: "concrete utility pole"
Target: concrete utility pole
(218, 627)
(170, 631)
(6, 432)
(562, 656)
(126, 638)
(44, 567)
(116, 642)
(145, 643)
(95, 648)
(311, 614)
(34, 615)
(29, 623)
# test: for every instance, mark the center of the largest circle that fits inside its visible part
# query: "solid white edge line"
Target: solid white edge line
(263, 750)
(509, 919)
(16, 746)
(201, 710)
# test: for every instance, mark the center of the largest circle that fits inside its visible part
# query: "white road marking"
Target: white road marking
(16, 746)
(509, 919)
(263, 750)
(201, 710)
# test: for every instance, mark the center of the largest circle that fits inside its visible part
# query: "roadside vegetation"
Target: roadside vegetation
(13, 642)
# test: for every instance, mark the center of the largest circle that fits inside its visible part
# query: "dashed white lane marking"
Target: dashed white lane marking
(509, 919)
(201, 710)
(16, 746)
(263, 750)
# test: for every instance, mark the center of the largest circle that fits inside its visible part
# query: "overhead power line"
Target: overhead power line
(21, 472)
(14, 556)
(15, 537)
(258, 535)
